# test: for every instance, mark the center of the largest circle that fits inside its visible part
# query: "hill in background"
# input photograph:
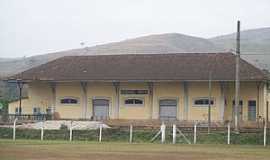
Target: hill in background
(255, 42)
(163, 43)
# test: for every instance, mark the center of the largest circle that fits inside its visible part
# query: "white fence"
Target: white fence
(161, 133)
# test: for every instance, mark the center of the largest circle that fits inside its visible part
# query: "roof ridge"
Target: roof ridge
(141, 54)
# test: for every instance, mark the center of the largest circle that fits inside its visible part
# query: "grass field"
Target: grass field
(53, 150)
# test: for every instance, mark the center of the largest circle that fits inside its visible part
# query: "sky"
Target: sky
(32, 27)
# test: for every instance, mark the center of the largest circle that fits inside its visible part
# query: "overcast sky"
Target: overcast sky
(31, 27)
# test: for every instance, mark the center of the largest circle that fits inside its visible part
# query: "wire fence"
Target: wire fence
(169, 134)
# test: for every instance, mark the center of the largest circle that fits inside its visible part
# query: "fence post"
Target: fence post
(163, 129)
(229, 134)
(174, 133)
(130, 133)
(264, 135)
(70, 131)
(14, 129)
(100, 132)
(195, 133)
(42, 131)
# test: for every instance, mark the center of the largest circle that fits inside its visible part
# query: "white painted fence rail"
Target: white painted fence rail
(42, 131)
(264, 135)
(174, 134)
(163, 133)
(14, 129)
(195, 134)
(130, 134)
(70, 131)
(229, 133)
(100, 133)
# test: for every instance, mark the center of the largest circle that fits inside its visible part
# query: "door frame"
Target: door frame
(169, 98)
(109, 99)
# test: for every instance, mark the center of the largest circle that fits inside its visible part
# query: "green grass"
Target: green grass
(75, 150)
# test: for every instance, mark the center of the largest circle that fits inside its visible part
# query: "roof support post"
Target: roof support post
(53, 88)
(209, 102)
(84, 99)
(117, 99)
(267, 113)
(20, 85)
(222, 100)
(267, 103)
(264, 97)
(186, 98)
(150, 87)
(258, 101)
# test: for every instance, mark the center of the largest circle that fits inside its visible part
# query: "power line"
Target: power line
(260, 54)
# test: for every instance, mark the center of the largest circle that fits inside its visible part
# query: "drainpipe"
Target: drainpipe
(150, 87)
(258, 100)
(116, 110)
(20, 85)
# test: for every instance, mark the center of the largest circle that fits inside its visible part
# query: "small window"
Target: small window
(134, 91)
(49, 110)
(202, 102)
(69, 101)
(251, 103)
(36, 110)
(17, 110)
(240, 102)
(134, 101)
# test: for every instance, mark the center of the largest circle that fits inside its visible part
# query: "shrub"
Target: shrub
(63, 127)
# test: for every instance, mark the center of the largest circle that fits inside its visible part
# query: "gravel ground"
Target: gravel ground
(78, 125)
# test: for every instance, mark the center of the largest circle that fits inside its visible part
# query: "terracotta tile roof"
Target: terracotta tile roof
(145, 67)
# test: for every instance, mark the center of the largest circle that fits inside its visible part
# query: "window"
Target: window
(251, 103)
(69, 101)
(240, 109)
(17, 110)
(134, 91)
(240, 102)
(252, 110)
(49, 110)
(36, 110)
(202, 102)
(134, 101)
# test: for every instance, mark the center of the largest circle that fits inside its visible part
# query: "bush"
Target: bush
(63, 127)
(4, 104)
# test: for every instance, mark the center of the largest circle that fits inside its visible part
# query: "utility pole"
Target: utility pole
(267, 112)
(237, 81)
(209, 101)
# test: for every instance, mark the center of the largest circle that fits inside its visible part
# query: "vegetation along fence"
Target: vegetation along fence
(134, 134)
